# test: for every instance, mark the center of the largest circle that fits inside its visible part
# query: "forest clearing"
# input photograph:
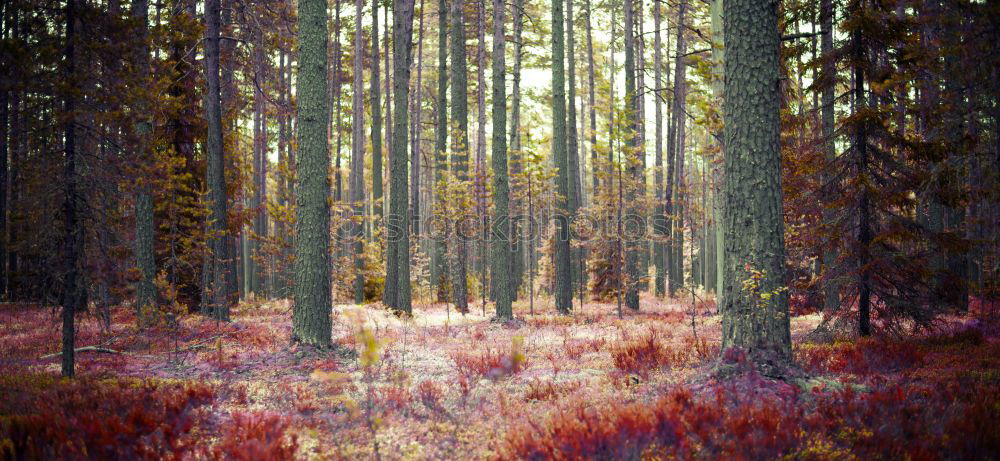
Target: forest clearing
(442, 386)
(487, 229)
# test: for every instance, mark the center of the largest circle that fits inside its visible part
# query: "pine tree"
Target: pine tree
(755, 309)
(563, 279)
(145, 228)
(311, 315)
(439, 260)
(356, 179)
(398, 233)
(221, 289)
(501, 221)
(460, 145)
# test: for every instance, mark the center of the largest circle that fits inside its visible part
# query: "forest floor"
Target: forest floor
(446, 386)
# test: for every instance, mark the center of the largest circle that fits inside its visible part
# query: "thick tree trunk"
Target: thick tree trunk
(311, 314)
(754, 315)
(398, 234)
(501, 227)
(563, 279)
(222, 287)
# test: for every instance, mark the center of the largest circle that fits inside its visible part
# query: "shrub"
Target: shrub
(255, 436)
(645, 353)
(45, 418)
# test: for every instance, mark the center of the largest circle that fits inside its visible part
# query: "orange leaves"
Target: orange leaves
(645, 353)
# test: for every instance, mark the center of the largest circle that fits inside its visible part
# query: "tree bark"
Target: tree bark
(460, 142)
(831, 298)
(660, 226)
(356, 178)
(516, 155)
(145, 228)
(633, 169)
(398, 234)
(222, 287)
(376, 105)
(501, 227)
(563, 278)
(74, 231)
(439, 259)
(311, 322)
(755, 309)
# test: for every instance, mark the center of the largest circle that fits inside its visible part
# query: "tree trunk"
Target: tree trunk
(376, 105)
(718, 79)
(501, 227)
(415, 154)
(460, 141)
(677, 118)
(398, 234)
(74, 231)
(591, 99)
(572, 145)
(222, 288)
(563, 279)
(831, 298)
(439, 259)
(754, 314)
(660, 226)
(516, 154)
(356, 178)
(145, 228)
(632, 144)
(311, 314)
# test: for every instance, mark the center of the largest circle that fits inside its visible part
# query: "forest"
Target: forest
(486, 229)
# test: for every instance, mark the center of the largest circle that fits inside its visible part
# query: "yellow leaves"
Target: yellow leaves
(517, 356)
(331, 377)
(369, 347)
(351, 405)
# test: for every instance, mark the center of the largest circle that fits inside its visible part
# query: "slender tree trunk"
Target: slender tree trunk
(572, 144)
(415, 154)
(338, 193)
(145, 233)
(73, 232)
(677, 118)
(376, 105)
(460, 142)
(516, 154)
(311, 322)
(718, 79)
(439, 259)
(480, 180)
(222, 287)
(564, 184)
(660, 226)
(591, 100)
(356, 179)
(755, 248)
(831, 298)
(864, 202)
(634, 170)
(501, 227)
(398, 234)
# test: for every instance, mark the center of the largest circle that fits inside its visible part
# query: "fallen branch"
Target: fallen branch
(102, 350)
